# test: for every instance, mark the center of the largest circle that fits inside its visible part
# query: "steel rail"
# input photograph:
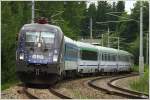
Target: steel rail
(52, 90)
(58, 94)
(25, 90)
(110, 83)
(122, 93)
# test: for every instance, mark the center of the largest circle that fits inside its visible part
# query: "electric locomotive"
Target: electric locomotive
(39, 57)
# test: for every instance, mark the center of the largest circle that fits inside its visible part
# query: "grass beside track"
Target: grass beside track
(142, 84)
(9, 84)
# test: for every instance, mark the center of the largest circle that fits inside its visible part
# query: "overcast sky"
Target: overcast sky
(129, 4)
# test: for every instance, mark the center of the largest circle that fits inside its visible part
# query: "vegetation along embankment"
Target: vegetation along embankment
(141, 84)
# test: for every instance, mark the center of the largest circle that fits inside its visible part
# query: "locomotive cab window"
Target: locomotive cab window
(104, 57)
(89, 55)
(46, 38)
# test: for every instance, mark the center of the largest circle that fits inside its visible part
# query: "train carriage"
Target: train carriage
(125, 59)
(107, 59)
(88, 58)
(70, 56)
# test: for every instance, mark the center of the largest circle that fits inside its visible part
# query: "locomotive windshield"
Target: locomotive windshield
(46, 38)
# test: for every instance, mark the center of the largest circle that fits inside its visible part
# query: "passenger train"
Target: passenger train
(44, 55)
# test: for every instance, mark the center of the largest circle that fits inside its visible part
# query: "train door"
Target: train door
(104, 62)
(99, 60)
(120, 63)
(104, 65)
(112, 62)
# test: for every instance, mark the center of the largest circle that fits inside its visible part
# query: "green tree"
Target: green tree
(130, 30)
(120, 6)
(12, 20)
(74, 13)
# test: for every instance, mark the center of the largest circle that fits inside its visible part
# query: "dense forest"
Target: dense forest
(73, 17)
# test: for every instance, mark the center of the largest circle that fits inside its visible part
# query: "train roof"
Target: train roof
(122, 52)
(81, 45)
(106, 49)
(112, 50)
(42, 27)
(86, 46)
(68, 40)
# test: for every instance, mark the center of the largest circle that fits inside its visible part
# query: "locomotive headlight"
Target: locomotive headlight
(55, 58)
(21, 57)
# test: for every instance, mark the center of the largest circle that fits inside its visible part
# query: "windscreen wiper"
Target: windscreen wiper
(45, 47)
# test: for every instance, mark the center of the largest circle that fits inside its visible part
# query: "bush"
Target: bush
(142, 84)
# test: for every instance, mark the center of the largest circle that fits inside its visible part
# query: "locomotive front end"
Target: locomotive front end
(39, 54)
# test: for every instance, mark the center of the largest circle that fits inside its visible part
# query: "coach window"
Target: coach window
(88, 55)
(127, 58)
(119, 56)
(66, 50)
(132, 59)
(123, 58)
(105, 57)
(114, 57)
(102, 57)
(109, 57)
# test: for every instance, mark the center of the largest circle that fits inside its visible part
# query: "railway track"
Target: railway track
(138, 94)
(103, 83)
(60, 95)
(25, 90)
(106, 84)
(30, 95)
